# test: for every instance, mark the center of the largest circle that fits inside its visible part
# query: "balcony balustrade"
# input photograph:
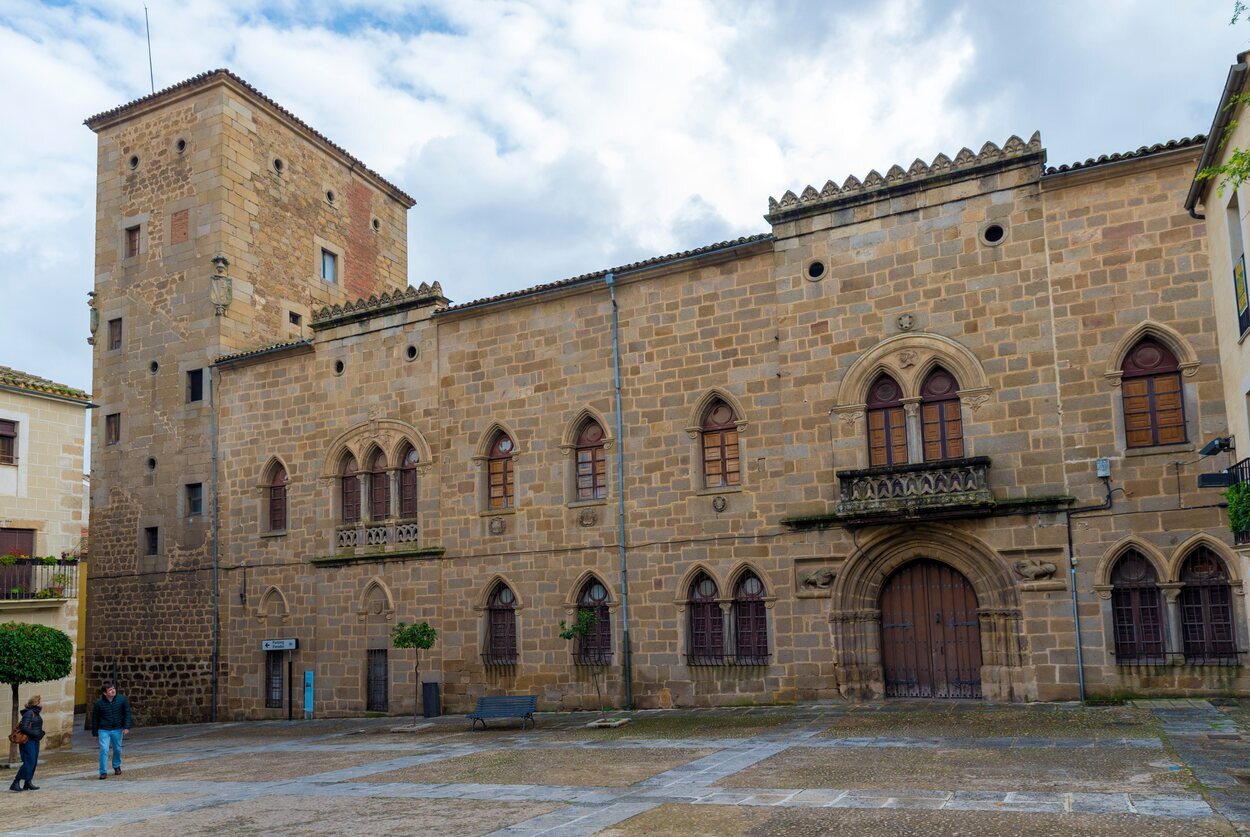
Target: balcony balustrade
(952, 487)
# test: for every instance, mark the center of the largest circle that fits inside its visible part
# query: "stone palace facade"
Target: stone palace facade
(848, 457)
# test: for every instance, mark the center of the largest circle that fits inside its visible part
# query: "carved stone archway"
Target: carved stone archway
(855, 609)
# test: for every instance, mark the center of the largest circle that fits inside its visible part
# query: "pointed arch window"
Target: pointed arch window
(595, 649)
(1154, 407)
(591, 462)
(750, 621)
(276, 491)
(941, 423)
(887, 424)
(501, 642)
(1207, 609)
(706, 629)
(408, 483)
(1137, 610)
(379, 488)
(719, 429)
(349, 491)
(500, 473)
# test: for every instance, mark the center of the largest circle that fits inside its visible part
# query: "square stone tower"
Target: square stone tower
(222, 222)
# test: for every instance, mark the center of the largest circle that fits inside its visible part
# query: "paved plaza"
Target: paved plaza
(899, 768)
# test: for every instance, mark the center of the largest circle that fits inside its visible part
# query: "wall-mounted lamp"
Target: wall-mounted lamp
(1216, 445)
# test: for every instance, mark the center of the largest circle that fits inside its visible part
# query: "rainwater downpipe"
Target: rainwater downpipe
(1076, 610)
(626, 655)
(212, 418)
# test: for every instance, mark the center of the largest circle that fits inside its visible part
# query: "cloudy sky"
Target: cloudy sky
(549, 138)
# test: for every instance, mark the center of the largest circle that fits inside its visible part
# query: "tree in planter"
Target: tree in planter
(578, 631)
(420, 637)
(31, 654)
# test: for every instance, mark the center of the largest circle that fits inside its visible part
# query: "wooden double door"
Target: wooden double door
(930, 633)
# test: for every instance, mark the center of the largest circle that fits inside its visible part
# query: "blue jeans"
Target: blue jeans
(114, 737)
(30, 758)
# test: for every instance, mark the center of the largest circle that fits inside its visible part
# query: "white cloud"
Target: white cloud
(548, 138)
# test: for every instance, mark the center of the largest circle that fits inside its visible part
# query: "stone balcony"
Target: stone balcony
(950, 488)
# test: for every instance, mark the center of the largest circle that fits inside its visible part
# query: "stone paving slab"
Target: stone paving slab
(1100, 770)
(741, 820)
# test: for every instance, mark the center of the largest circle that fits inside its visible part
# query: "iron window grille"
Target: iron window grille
(273, 679)
(595, 649)
(501, 639)
(8, 442)
(1137, 610)
(707, 629)
(750, 622)
(1206, 610)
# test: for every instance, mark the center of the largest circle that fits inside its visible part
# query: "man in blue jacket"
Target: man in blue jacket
(110, 721)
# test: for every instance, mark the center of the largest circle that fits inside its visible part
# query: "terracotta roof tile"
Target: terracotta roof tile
(263, 350)
(213, 75)
(627, 268)
(1145, 151)
(33, 383)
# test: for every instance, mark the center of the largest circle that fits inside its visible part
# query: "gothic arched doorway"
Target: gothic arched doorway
(930, 633)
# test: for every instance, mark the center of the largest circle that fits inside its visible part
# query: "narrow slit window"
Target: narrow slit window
(329, 266)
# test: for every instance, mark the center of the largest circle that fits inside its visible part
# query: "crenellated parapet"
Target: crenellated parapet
(876, 186)
(376, 305)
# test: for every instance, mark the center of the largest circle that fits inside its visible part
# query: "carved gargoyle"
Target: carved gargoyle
(817, 580)
(1035, 570)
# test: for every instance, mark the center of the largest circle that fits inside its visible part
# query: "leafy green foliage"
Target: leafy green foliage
(33, 653)
(1238, 497)
(586, 620)
(1236, 169)
(417, 635)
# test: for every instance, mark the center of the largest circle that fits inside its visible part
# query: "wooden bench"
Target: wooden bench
(521, 706)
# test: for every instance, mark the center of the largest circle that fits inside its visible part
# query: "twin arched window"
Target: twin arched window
(719, 431)
(941, 420)
(501, 646)
(706, 628)
(1154, 407)
(1205, 610)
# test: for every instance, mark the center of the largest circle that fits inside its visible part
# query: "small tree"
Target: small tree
(420, 637)
(32, 654)
(578, 631)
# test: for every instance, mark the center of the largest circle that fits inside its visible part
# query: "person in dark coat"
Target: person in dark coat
(110, 722)
(31, 724)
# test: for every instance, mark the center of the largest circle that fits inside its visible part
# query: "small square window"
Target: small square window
(112, 428)
(195, 499)
(329, 265)
(152, 540)
(8, 442)
(132, 241)
(115, 334)
(293, 318)
(195, 385)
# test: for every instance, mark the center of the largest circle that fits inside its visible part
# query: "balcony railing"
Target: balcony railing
(375, 534)
(929, 489)
(25, 580)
